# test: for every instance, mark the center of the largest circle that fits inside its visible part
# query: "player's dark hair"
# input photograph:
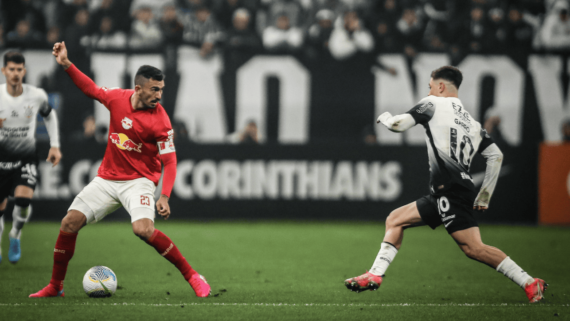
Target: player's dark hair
(14, 57)
(449, 73)
(147, 72)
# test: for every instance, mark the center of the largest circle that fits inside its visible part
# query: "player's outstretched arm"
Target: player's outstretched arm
(397, 123)
(494, 158)
(87, 86)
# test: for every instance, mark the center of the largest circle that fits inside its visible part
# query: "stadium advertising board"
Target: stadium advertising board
(342, 181)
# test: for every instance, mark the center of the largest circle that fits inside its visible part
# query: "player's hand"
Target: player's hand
(480, 208)
(2, 120)
(60, 54)
(383, 118)
(162, 206)
(54, 156)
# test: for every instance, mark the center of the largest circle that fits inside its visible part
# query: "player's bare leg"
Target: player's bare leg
(62, 254)
(144, 228)
(400, 219)
(469, 240)
(21, 214)
(2, 208)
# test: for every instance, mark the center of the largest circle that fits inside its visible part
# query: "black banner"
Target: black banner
(316, 181)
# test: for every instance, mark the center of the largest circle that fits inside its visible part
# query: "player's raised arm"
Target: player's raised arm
(87, 86)
(494, 157)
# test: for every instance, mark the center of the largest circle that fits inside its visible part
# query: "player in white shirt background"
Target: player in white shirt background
(452, 137)
(19, 105)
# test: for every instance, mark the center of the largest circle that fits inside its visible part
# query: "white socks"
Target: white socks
(19, 217)
(514, 272)
(385, 256)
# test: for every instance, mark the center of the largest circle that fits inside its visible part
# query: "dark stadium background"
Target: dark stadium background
(343, 94)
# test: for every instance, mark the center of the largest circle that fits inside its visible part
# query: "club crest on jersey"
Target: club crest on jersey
(28, 111)
(123, 142)
(127, 123)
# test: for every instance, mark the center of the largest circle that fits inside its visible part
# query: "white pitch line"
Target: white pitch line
(388, 305)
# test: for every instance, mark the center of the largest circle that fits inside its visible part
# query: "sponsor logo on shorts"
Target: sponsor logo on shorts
(10, 165)
(123, 142)
(466, 176)
(448, 223)
(447, 218)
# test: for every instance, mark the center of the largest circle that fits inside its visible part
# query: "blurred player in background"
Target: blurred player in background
(452, 138)
(19, 106)
(140, 137)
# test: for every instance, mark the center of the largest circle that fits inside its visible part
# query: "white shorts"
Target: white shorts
(102, 197)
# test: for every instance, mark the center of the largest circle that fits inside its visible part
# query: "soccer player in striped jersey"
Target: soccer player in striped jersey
(452, 137)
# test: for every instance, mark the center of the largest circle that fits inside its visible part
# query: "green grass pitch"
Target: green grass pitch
(287, 271)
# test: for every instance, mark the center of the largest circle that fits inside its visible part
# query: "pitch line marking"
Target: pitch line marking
(388, 305)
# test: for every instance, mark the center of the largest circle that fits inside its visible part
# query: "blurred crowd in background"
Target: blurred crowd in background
(316, 28)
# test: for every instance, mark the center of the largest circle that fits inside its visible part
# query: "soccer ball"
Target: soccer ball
(100, 281)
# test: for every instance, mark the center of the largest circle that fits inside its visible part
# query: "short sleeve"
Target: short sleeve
(486, 141)
(164, 135)
(423, 111)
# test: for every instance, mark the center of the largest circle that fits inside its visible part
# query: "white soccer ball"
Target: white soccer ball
(100, 281)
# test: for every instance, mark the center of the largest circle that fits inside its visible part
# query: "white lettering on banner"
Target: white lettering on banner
(252, 179)
(200, 102)
(251, 93)
(509, 85)
(547, 76)
(229, 177)
(181, 186)
(108, 70)
(50, 187)
(386, 85)
(275, 179)
(77, 175)
(205, 179)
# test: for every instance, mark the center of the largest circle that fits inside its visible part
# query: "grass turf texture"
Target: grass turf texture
(287, 271)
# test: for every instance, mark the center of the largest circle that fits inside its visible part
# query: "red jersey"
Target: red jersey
(135, 135)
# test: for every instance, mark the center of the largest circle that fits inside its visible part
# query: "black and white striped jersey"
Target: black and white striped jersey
(17, 135)
(453, 137)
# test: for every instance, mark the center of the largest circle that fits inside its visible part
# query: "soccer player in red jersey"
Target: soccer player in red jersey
(140, 137)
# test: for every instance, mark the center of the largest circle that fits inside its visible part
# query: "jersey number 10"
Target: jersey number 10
(464, 157)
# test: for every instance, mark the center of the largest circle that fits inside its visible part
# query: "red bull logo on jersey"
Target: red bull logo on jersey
(124, 142)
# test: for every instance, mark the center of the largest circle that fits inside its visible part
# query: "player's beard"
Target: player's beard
(149, 101)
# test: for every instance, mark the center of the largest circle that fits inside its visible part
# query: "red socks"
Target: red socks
(163, 245)
(63, 252)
